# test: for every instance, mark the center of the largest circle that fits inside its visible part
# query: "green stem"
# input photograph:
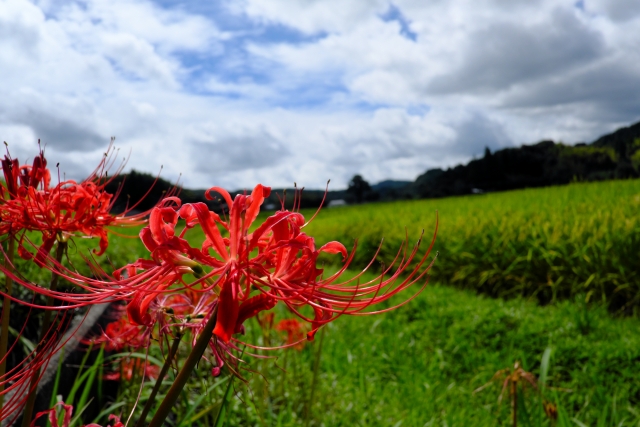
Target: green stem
(6, 307)
(163, 372)
(514, 392)
(316, 368)
(223, 403)
(184, 374)
(46, 323)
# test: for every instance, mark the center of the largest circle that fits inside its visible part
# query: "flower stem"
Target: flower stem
(184, 374)
(314, 381)
(46, 323)
(163, 372)
(6, 307)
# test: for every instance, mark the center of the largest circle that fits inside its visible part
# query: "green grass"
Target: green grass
(421, 363)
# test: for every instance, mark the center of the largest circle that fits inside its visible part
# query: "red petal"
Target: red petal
(44, 249)
(334, 248)
(209, 227)
(147, 239)
(253, 306)
(278, 222)
(235, 223)
(258, 195)
(104, 242)
(321, 317)
(227, 311)
(220, 191)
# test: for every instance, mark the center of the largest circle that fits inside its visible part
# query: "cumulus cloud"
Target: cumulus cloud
(237, 92)
(314, 16)
(238, 150)
(617, 10)
(508, 53)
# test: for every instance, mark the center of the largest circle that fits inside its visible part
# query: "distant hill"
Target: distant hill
(616, 155)
(389, 185)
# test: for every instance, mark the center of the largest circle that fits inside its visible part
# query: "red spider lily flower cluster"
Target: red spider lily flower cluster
(30, 203)
(67, 411)
(119, 335)
(248, 272)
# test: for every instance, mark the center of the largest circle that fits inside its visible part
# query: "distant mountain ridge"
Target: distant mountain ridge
(615, 155)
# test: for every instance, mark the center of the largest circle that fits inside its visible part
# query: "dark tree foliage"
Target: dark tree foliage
(131, 189)
(359, 190)
(616, 155)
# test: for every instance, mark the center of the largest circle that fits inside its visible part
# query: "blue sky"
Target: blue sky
(233, 93)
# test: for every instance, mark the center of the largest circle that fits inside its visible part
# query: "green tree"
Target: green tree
(358, 187)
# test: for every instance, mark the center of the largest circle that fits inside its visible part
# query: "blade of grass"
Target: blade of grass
(79, 377)
(56, 383)
(76, 418)
(100, 376)
(188, 417)
(314, 381)
(221, 416)
(163, 372)
(89, 383)
(544, 367)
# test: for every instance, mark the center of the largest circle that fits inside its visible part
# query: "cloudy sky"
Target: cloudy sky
(233, 93)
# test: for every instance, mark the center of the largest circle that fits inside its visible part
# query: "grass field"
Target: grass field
(573, 248)
(421, 364)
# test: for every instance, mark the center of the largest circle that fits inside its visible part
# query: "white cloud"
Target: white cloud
(313, 16)
(617, 10)
(278, 91)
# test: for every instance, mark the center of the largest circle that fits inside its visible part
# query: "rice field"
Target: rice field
(580, 240)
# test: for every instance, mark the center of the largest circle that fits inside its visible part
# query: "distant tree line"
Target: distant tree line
(616, 155)
(144, 190)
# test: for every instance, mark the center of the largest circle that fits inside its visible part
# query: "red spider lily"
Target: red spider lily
(174, 257)
(52, 414)
(295, 332)
(64, 210)
(18, 178)
(28, 202)
(127, 368)
(120, 334)
(252, 271)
